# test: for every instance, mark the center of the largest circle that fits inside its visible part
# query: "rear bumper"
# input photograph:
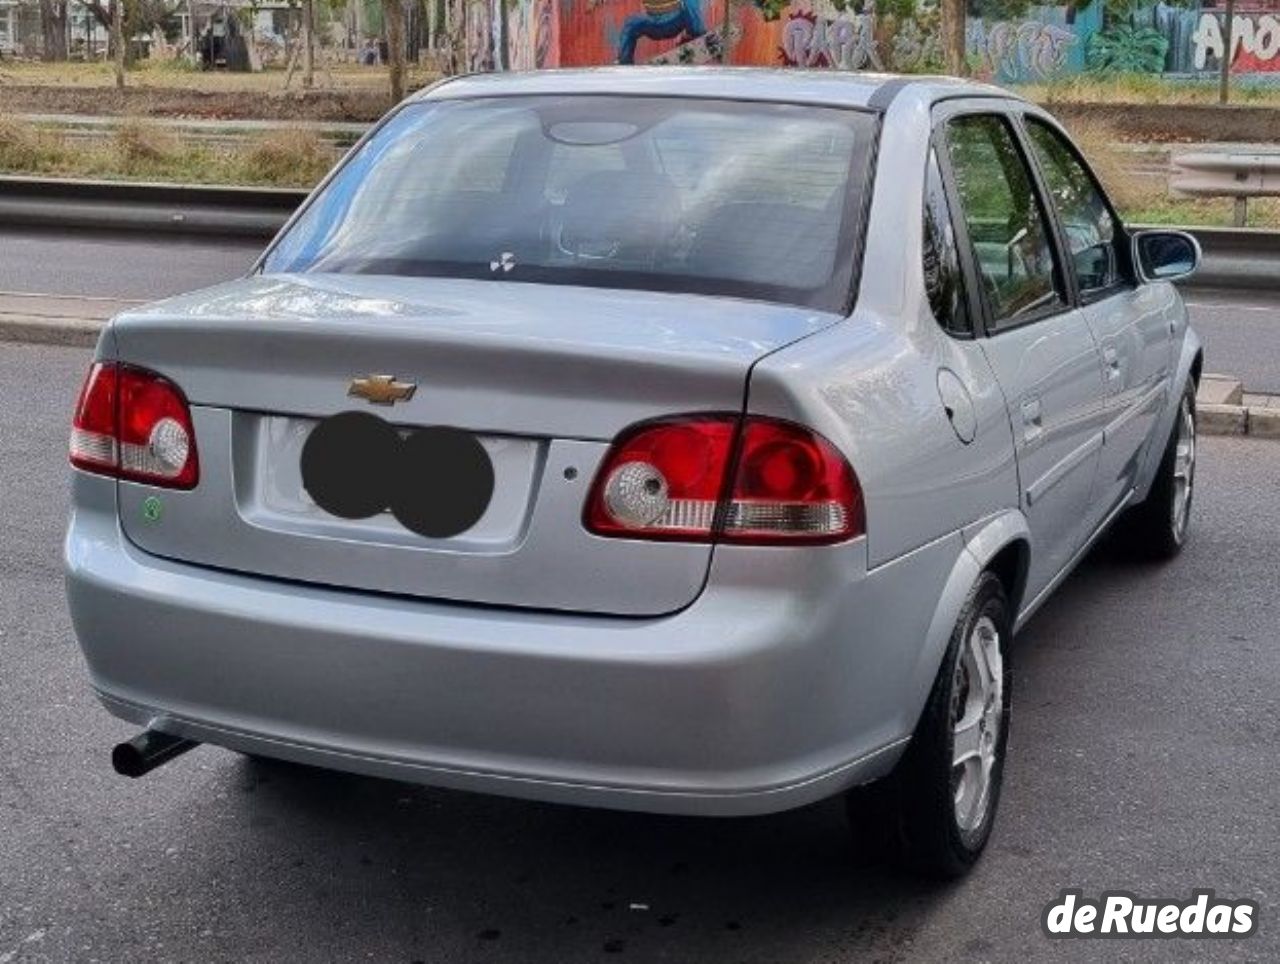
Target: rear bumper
(764, 694)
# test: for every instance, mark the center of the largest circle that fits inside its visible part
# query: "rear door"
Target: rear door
(1038, 343)
(1127, 321)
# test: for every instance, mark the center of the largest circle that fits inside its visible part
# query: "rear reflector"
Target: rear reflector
(134, 424)
(723, 478)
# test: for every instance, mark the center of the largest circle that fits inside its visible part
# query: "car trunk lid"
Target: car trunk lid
(543, 376)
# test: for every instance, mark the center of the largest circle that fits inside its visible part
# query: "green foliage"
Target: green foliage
(1118, 11)
(994, 11)
(772, 9)
(998, 10)
(901, 9)
(1126, 49)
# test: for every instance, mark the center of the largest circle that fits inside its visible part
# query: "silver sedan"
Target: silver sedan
(684, 440)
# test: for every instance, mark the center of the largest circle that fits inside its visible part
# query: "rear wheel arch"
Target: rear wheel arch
(1000, 544)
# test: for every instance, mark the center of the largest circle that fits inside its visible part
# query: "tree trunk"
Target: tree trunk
(308, 44)
(53, 30)
(117, 40)
(359, 29)
(504, 35)
(393, 19)
(1228, 52)
(953, 35)
(455, 29)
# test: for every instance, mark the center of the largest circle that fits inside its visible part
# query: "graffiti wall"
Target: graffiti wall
(1006, 40)
(641, 31)
(1255, 39)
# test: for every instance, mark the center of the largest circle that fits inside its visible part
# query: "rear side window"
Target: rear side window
(1082, 209)
(942, 279)
(1007, 225)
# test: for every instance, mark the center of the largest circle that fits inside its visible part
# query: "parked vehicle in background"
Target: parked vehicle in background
(678, 440)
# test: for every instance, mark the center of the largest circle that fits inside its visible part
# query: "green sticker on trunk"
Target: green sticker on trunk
(151, 509)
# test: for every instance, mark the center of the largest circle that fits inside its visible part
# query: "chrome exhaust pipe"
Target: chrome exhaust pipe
(146, 751)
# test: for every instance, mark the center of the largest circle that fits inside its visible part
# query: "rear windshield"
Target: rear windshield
(752, 200)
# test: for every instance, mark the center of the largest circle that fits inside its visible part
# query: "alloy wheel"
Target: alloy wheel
(1184, 470)
(977, 705)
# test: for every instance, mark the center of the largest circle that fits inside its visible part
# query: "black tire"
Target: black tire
(1148, 530)
(910, 817)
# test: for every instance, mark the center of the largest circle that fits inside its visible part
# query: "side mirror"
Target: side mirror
(1165, 255)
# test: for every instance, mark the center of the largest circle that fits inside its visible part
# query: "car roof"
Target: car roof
(787, 85)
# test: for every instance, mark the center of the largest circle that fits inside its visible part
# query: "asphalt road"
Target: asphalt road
(1241, 334)
(1144, 755)
(144, 266)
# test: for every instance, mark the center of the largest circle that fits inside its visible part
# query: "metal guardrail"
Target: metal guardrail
(1233, 257)
(228, 212)
(1240, 175)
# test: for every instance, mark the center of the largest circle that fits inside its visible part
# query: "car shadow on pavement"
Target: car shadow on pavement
(547, 882)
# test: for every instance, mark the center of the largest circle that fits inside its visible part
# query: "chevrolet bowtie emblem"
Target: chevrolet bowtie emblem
(381, 389)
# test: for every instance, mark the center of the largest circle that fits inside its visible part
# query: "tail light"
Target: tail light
(729, 479)
(134, 424)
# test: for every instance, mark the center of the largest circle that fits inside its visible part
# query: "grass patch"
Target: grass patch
(142, 151)
(139, 144)
(24, 147)
(1145, 89)
(1203, 212)
(287, 155)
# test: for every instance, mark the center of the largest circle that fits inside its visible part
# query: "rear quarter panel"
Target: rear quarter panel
(870, 384)
(873, 391)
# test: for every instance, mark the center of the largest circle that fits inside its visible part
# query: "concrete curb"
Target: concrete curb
(72, 332)
(1224, 408)
(49, 319)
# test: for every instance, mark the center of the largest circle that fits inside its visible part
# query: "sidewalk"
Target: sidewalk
(56, 319)
(1223, 407)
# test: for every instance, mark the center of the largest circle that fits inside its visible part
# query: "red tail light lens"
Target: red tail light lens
(791, 485)
(93, 429)
(704, 478)
(134, 424)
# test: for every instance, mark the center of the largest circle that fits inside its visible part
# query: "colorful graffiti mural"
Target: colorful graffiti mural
(1006, 41)
(1255, 42)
